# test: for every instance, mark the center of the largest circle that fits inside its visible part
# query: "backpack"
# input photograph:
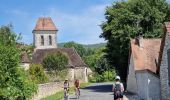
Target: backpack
(117, 91)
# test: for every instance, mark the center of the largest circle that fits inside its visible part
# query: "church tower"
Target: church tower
(44, 34)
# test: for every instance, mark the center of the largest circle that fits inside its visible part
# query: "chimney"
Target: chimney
(139, 40)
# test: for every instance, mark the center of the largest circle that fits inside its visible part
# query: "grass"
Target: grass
(59, 95)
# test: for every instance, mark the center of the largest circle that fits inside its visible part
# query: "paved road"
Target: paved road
(96, 91)
(100, 91)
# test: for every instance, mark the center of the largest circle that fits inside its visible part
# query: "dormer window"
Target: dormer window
(42, 40)
(50, 40)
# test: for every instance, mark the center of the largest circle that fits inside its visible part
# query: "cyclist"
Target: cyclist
(77, 85)
(66, 86)
(118, 89)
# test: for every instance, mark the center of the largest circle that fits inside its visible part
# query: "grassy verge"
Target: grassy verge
(59, 95)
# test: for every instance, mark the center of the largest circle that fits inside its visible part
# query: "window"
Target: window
(50, 40)
(168, 52)
(42, 40)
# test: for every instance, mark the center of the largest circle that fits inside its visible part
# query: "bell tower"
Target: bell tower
(45, 34)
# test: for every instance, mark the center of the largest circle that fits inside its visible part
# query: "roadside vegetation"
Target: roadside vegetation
(14, 81)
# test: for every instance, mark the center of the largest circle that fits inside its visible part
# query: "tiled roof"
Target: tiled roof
(146, 57)
(45, 23)
(25, 58)
(74, 58)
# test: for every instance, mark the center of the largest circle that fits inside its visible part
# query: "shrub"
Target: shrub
(55, 62)
(36, 71)
(14, 81)
(104, 77)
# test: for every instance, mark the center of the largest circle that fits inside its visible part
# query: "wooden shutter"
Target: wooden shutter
(168, 65)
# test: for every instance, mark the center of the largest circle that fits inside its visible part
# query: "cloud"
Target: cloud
(82, 27)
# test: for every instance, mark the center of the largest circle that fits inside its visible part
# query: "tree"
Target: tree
(126, 19)
(7, 36)
(55, 62)
(79, 48)
(14, 81)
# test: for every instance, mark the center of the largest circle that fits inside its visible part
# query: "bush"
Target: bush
(14, 81)
(55, 62)
(36, 72)
(104, 77)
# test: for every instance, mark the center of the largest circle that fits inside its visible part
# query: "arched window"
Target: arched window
(50, 40)
(42, 40)
(168, 54)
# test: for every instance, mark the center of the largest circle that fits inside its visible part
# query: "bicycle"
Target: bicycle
(77, 93)
(66, 94)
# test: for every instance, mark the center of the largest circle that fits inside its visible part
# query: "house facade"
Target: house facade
(143, 79)
(149, 67)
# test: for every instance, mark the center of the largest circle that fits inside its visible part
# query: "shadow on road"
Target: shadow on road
(100, 88)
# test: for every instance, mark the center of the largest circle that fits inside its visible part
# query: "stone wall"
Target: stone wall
(47, 89)
(165, 89)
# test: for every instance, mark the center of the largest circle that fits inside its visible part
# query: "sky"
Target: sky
(76, 20)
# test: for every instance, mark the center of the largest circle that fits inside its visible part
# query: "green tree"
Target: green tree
(55, 62)
(7, 36)
(79, 48)
(126, 19)
(36, 71)
(14, 81)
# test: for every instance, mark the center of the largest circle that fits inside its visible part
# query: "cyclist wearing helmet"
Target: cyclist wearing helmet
(118, 89)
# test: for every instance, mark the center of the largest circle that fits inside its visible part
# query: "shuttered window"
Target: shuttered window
(169, 66)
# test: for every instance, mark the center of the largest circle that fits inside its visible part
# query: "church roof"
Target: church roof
(45, 23)
(146, 57)
(74, 58)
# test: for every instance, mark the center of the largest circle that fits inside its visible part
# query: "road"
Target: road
(96, 91)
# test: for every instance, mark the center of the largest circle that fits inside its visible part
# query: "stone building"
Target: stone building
(143, 79)
(45, 42)
(149, 67)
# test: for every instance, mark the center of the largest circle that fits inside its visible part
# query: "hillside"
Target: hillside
(98, 45)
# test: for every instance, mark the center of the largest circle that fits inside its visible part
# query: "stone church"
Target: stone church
(45, 42)
(149, 67)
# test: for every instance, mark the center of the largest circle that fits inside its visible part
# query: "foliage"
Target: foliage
(7, 36)
(55, 62)
(97, 62)
(79, 48)
(104, 77)
(14, 81)
(37, 74)
(125, 20)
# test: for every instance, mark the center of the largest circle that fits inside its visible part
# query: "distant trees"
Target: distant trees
(14, 81)
(79, 48)
(125, 20)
